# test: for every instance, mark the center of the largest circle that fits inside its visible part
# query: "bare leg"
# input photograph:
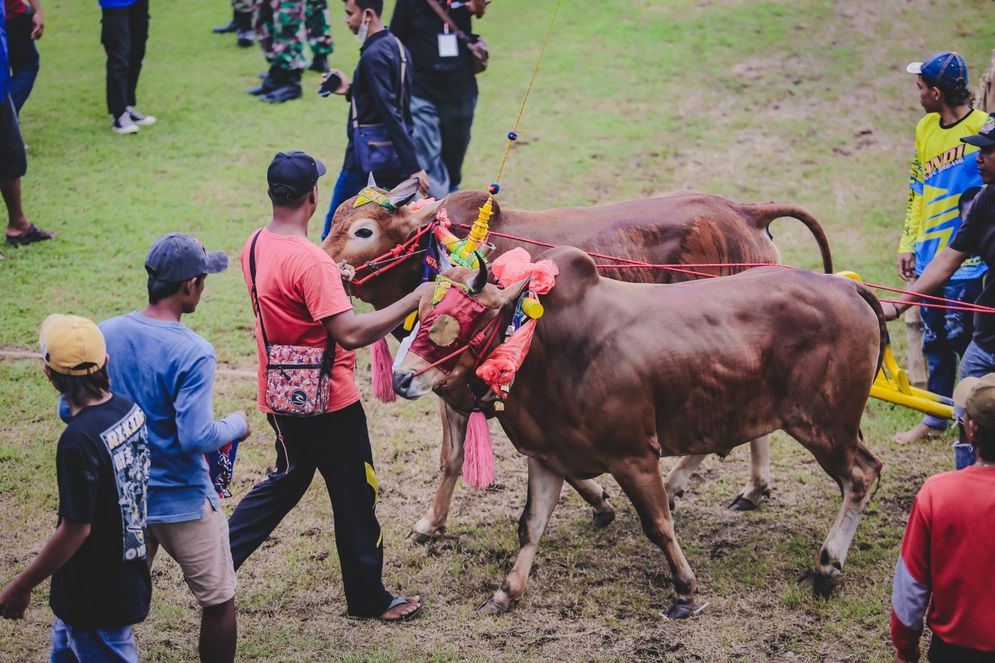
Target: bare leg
(645, 489)
(433, 522)
(17, 222)
(595, 495)
(544, 492)
(759, 484)
(218, 633)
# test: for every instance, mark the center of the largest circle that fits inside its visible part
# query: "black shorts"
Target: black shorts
(13, 156)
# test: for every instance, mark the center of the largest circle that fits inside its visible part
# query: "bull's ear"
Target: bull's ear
(403, 193)
(512, 292)
(426, 212)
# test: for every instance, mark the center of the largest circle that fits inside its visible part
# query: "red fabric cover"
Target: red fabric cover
(466, 310)
(500, 367)
(517, 264)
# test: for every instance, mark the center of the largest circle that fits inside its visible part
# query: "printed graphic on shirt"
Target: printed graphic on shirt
(128, 444)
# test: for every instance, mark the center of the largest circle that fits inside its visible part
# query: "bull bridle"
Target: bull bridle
(480, 346)
(389, 260)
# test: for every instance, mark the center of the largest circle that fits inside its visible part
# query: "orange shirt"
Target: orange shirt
(298, 285)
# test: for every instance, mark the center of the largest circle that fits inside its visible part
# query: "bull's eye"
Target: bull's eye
(364, 233)
(444, 330)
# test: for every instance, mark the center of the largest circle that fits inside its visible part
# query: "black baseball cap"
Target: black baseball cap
(985, 136)
(177, 257)
(291, 175)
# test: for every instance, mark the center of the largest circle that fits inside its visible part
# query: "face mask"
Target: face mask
(364, 29)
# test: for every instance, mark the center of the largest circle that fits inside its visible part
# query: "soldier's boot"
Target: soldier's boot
(231, 26)
(290, 89)
(320, 64)
(271, 81)
(244, 35)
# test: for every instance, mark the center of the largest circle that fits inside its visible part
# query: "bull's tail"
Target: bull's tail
(762, 214)
(875, 305)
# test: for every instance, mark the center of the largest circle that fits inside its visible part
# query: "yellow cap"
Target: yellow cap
(72, 345)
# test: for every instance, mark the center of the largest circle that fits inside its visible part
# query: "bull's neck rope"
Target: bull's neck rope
(409, 248)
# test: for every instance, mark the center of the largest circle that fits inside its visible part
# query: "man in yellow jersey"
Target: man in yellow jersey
(943, 170)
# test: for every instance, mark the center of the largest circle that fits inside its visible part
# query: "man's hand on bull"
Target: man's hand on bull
(343, 86)
(347, 271)
(907, 266)
(891, 311)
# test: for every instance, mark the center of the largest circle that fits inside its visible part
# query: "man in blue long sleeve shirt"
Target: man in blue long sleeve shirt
(169, 371)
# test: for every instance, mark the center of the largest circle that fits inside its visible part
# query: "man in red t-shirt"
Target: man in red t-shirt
(302, 302)
(948, 549)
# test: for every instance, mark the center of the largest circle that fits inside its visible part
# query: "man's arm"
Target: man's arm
(37, 20)
(936, 274)
(355, 331)
(913, 220)
(911, 588)
(59, 549)
(196, 428)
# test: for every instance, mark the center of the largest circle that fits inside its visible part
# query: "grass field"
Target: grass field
(802, 100)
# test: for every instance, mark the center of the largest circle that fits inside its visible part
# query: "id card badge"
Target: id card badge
(448, 48)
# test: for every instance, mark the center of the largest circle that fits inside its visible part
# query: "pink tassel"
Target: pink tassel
(381, 368)
(478, 455)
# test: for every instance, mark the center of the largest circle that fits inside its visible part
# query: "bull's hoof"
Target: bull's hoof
(823, 584)
(421, 538)
(682, 609)
(742, 503)
(603, 519)
(492, 607)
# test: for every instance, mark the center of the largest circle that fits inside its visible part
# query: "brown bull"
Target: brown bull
(679, 227)
(620, 374)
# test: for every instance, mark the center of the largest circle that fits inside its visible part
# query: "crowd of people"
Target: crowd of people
(130, 462)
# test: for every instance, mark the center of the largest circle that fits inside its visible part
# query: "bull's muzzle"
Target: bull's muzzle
(404, 384)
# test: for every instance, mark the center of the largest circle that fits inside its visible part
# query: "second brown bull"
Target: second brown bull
(620, 374)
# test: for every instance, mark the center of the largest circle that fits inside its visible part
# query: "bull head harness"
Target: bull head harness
(455, 321)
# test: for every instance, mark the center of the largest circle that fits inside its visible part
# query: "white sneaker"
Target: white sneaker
(124, 125)
(139, 119)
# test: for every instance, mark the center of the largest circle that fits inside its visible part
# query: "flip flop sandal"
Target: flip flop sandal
(29, 236)
(400, 600)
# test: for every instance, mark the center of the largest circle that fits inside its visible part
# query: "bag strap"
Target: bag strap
(444, 15)
(400, 97)
(253, 293)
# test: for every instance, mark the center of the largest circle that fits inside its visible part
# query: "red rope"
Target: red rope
(951, 304)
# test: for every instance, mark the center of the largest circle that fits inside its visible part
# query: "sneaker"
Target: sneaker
(285, 92)
(245, 38)
(224, 29)
(139, 119)
(320, 64)
(124, 124)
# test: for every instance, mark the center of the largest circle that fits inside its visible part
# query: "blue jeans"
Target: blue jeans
(71, 644)
(945, 337)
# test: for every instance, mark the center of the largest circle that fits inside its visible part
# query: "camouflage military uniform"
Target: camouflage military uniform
(282, 25)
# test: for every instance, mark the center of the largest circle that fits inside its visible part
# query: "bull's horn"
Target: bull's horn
(372, 181)
(403, 193)
(481, 280)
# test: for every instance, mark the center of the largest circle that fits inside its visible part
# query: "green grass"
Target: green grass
(798, 100)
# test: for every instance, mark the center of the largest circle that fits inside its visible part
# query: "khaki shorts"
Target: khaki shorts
(201, 549)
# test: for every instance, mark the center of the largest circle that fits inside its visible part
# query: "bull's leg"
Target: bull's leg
(645, 489)
(678, 477)
(544, 493)
(758, 486)
(433, 522)
(595, 495)
(856, 470)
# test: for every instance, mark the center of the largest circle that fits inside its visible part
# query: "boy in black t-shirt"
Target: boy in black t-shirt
(96, 556)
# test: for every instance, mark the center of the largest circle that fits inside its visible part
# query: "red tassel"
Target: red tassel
(478, 455)
(381, 368)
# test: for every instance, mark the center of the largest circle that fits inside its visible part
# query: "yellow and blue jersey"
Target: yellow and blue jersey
(942, 169)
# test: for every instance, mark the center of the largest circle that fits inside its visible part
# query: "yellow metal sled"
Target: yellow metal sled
(892, 384)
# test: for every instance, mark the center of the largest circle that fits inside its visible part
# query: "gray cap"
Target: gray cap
(177, 257)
